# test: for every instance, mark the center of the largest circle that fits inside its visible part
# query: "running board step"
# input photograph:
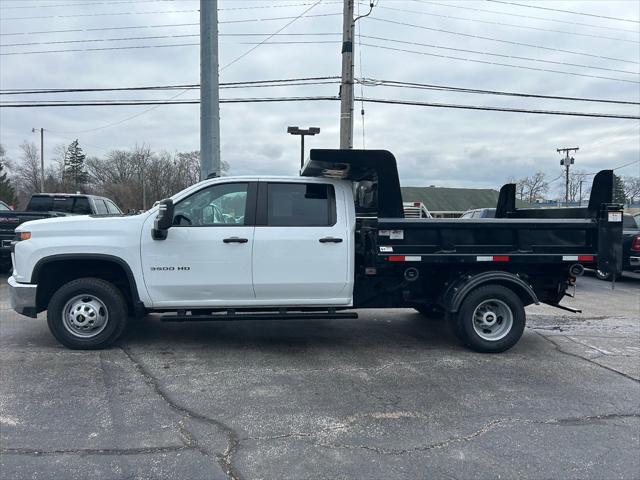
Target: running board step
(259, 316)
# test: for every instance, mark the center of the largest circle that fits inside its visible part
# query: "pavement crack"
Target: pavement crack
(94, 451)
(493, 424)
(559, 349)
(225, 459)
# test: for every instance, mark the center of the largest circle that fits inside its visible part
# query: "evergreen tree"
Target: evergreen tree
(7, 192)
(618, 190)
(74, 168)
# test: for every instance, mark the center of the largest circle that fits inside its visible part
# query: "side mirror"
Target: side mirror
(164, 220)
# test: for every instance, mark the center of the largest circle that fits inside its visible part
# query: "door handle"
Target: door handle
(235, 240)
(330, 240)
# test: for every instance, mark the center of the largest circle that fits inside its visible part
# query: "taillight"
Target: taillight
(635, 244)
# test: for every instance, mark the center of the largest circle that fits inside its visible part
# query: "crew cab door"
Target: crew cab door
(302, 245)
(206, 258)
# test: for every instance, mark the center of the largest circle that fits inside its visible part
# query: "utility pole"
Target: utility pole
(346, 86)
(581, 182)
(311, 131)
(567, 161)
(34, 130)
(209, 93)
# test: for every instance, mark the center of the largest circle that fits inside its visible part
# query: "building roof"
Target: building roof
(451, 199)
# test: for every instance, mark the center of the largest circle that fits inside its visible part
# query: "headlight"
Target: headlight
(22, 236)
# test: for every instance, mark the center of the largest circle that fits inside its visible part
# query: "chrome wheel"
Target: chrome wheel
(492, 320)
(85, 316)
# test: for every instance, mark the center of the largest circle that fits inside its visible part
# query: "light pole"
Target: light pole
(311, 131)
(34, 130)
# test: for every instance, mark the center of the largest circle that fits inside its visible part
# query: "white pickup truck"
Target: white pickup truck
(313, 246)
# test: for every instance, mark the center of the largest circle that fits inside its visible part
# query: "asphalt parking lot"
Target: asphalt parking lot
(389, 395)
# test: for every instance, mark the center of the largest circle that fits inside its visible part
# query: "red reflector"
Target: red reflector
(585, 258)
(416, 204)
(500, 258)
(396, 258)
(635, 244)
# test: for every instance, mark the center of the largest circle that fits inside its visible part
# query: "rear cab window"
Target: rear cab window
(300, 205)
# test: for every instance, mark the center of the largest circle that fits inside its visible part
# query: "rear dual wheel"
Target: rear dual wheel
(491, 319)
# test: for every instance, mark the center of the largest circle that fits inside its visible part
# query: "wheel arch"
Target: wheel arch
(51, 272)
(455, 294)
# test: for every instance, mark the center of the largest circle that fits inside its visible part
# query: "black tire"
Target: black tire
(431, 312)
(600, 275)
(494, 299)
(112, 303)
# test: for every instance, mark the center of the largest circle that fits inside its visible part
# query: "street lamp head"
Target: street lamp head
(314, 130)
(293, 130)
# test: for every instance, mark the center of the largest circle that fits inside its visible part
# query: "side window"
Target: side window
(112, 207)
(81, 206)
(300, 204)
(40, 204)
(101, 208)
(223, 204)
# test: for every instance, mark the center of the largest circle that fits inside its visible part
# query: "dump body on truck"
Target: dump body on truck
(318, 245)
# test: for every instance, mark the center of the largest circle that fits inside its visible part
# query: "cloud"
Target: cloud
(433, 146)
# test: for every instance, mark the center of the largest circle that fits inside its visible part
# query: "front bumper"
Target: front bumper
(23, 298)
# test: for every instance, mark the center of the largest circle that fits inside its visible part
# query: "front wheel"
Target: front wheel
(600, 275)
(491, 319)
(87, 314)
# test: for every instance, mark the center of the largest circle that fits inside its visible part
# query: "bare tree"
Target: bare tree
(576, 179)
(631, 189)
(533, 188)
(27, 172)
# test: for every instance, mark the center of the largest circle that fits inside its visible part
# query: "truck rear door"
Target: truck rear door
(302, 248)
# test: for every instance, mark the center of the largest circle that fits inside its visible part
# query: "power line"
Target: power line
(516, 57)
(101, 49)
(320, 81)
(468, 35)
(270, 82)
(157, 103)
(243, 20)
(101, 29)
(113, 2)
(564, 11)
(499, 109)
(395, 83)
(511, 14)
(502, 64)
(126, 119)
(502, 24)
(270, 36)
(104, 103)
(155, 37)
(99, 14)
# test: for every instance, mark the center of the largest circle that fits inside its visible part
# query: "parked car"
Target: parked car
(630, 247)
(4, 207)
(480, 213)
(415, 210)
(47, 205)
(265, 248)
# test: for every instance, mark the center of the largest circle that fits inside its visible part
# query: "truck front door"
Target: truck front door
(206, 258)
(301, 251)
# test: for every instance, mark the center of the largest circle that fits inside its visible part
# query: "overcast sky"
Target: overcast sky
(434, 146)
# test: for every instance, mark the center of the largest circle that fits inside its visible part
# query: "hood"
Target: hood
(77, 223)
